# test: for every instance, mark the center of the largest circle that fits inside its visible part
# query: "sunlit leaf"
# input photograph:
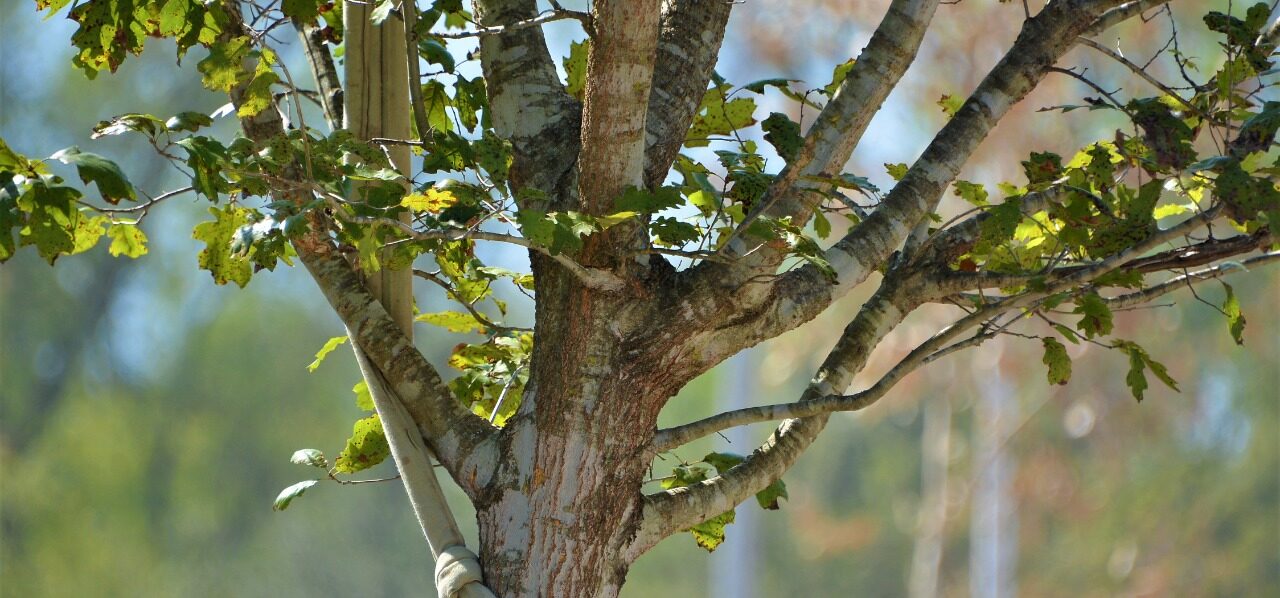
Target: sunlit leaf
(287, 495)
(366, 447)
(311, 457)
(324, 351)
(127, 240)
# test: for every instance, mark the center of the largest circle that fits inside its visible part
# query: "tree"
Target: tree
(642, 283)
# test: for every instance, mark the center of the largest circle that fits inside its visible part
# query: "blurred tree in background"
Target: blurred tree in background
(142, 408)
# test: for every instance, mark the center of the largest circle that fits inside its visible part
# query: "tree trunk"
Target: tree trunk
(564, 509)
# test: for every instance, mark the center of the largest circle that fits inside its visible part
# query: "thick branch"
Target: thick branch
(689, 43)
(455, 434)
(619, 74)
(840, 125)
(528, 104)
(325, 72)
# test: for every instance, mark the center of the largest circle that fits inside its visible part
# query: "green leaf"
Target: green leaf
(53, 222)
(635, 199)
(324, 351)
(769, 497)
(575, 68)
(364, 398)
(453, 321)
(783, 134)
(224, 66)
(1139, 361)
(950, 104)
(1042, 167)
(1257, 133)
(141, 123)
(1055, 356)
(896, 171)
(758, 86)
(723, 461)
(493, 154)
(87, 233)
(127, 240)
(973, 193)
(469, 99)
(310, 457)
(1235, 319)
(1166, 135)
(217, 257)
(716, 116)
(1135, 379)
(1095, 316)
(674, 233)
(188, 121)
(366, 447)
(206, 158)
(435, 52)
(1000, 225)
(821, 226)
(544, 230)
(303, 10)
(111, 29)
(287, 495)
(436, 101)
(112, 183)
(257, 95)
(838, 76)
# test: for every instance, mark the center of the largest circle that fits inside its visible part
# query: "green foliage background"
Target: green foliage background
(147, 416)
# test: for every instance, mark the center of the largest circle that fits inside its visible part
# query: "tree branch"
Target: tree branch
(528, 104)
(691, 32)
(841, 124)
(1179, 258)
(1184, 280)
(619, 74)
(666, 513)
(325, 72)
(542, 18)
(455, 434)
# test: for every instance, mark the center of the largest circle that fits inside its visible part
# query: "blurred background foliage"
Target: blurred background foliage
(147, 415)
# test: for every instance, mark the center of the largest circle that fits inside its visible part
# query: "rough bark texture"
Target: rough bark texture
(691, 34)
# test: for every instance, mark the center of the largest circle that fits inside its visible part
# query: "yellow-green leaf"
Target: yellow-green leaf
(453, 321)
(434, 201)
(366, 447)
(324, 351)
(127, 240)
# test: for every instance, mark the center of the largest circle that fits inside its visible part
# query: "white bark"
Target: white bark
(619, 75)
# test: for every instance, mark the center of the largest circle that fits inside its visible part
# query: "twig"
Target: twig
(546, 16)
